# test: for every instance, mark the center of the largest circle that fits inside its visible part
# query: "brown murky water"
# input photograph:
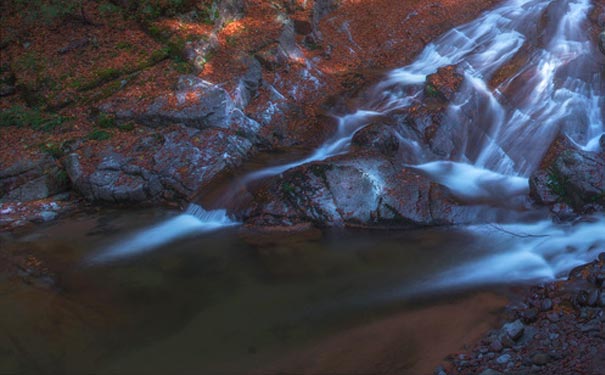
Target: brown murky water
(230, 302)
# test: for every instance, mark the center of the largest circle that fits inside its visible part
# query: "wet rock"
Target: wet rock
(28, 180)
(496, 346)
(570, 175)
(358, 192)
(444, 83)
(378, 137)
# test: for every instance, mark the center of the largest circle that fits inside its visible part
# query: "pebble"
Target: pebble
(489, 371)
(540, 358)
(504, 358)
(514, 330)
(546, 305)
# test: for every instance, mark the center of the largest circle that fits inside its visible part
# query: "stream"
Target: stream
(153, 291)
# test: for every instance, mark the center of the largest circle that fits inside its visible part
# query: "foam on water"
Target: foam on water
(523, 252)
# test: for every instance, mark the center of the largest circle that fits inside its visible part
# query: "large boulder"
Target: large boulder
(570, 176)
(181, 162)
(28, 180)
(361, 192)
(195, 103)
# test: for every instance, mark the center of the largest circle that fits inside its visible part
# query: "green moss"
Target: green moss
(287, 188)
(556, 184)
(20, 116)
(106, 121)
(124, 45)
(431, 91)
(107, 8)
(126, 127)
(99, 135)
(53, 149)
(62, 178)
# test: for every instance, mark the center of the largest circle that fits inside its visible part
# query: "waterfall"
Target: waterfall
(556, 88)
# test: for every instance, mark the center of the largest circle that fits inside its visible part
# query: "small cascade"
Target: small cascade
(523, 252)
(194, 220)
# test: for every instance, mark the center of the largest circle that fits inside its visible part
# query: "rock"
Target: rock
(283, 51)
(495, 346)
(602, 42)
(570, 175)
(444, 83)
(540, 358)
(249, 83)
(353, 192)
(229, 10)
(48, 215)
(489, 371)
(514, 330)
(530, 315)
(197, 51)
(181, 162)
(503, 359)
(377, 137)
(196, 103)
(302, 27)
(28, 180)
(321, 8)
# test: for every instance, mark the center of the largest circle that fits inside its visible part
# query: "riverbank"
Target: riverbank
(71, 81)
(557, 328)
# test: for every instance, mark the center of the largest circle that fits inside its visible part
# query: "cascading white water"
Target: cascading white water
(557, 88)
(194, 220)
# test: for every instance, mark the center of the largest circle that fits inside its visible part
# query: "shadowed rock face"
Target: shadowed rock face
(171, 165)
(31, 180)
(571, 177)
